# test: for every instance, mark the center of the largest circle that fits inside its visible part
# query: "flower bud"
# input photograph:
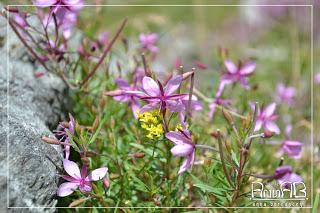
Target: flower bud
(91, 154)
(38, 74)
(137, 155)
(187, 75)
(267, 134)
(113, 93)
(95, 124)
(50, 140)
(200, 65)
(227, 116)
(105, 182)
(215, 134)
(77, 202)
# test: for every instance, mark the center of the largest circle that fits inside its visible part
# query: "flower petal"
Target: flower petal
(71, 168)
(175, 106)
(97, 174)
(258, 125)
(173, 84)
(44, 3)
(182, 149)
(150, 86)
(148, 107)
(269, 110)
(152, 38)
(248, 68)
(231, 67)
(176, 137)
(135, 107)
(271, 126)
(212, 107)
(66, 189)
(289, 178)
(122, 83)
(187, 163)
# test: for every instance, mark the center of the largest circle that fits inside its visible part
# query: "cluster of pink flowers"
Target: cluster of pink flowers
(76, 178)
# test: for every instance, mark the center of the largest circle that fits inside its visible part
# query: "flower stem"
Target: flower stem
(190, 95)
(202, 146)
(33, 53)
(209, 100)
(105, 53)
(222, 159)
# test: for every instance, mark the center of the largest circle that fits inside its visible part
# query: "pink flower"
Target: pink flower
(266, 118)
(184, 147)
(77, 179)
(55, 5)
(284, 175)
(218, 100)
(317, 78)
(291, 147)
(62, 134)
(285, 94)
(200, 65)
(238, 73)
(69, 21)
(155, 94)
(121, 95)
(148, 41)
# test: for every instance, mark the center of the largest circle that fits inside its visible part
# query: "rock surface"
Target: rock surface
(29, 107)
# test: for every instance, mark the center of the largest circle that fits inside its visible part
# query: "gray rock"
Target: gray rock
(29, 107)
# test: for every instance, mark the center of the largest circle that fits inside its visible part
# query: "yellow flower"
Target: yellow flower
(151, 122)
(179, 127)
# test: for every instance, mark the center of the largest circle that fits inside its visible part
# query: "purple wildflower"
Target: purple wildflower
(77, 179)
(285, 94)
(121, 95)
(184, 147)
(156, 94)
(148, 41)
(62, 134)
(284, 175)
(56, 5)
(238, 73)
(291, 147)
(266, 118)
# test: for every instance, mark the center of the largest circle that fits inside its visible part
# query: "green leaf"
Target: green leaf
(144, 149)
(140, 185)
(72, 143)
(316, 203)
(234, 158)
(206, 188)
